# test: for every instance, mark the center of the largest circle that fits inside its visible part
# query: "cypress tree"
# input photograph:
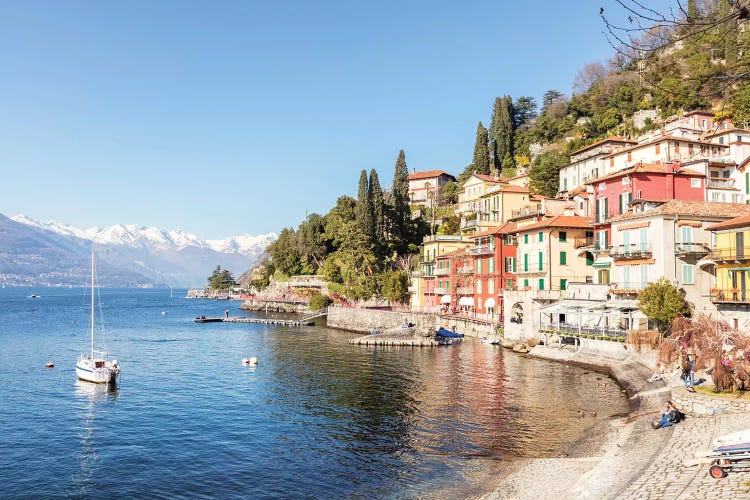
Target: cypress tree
(378, 207)
(501, 134)
(363, 210)
(401, 213)
(481, 160)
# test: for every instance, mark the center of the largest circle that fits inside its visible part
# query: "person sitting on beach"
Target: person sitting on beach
(670, 416)
(658, 373)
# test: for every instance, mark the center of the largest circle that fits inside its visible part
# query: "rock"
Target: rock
(532, 342)
(508, 344)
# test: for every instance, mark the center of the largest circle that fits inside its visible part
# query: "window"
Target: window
(526, 263)
(625, 180)
(541, 259)
(525, 238)
(491, 265)
(686, 234)
(563, 258)
(563, 236)
(479, 302)
(658, 149)
(695, 183)
(625, 199)
(688, 274)
(739, 138)
(565, 184)
(491, 285)
(510, 265)
(479, 286)
(541, 283)
(563, 284)
(479, 265)
(525, 283)
(541, 237)
(721, 140)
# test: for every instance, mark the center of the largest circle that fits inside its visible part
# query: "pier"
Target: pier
(257, 321)
(383, 340)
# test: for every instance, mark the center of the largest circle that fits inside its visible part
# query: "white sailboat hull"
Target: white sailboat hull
(98, 371)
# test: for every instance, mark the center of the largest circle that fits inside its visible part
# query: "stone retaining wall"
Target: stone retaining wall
(364, 320)
(696, 404)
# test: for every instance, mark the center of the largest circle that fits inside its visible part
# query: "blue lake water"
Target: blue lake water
(316, 418)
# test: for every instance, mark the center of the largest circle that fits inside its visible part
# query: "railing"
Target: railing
(720, 183)
(441, 271)
(631, 251)
(440, 290)
(482, 249)
(583, 242)
(533, 267)
(417, 274)
(691, 249)
(731, 253)
(526, 211)
(466, 270)
(465, 224)
(574, 329)
(626, 287)
(465, 290)
(730, 295)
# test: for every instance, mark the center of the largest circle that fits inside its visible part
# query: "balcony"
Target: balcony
(440, 290)
(730, 295)
(417, 274)
(532, 268)
(482, 250)
(691, 249)
(468, 224)
(442, 271)
(731, 253)
(627, 287)
(583, 242)
(631, 251)
(466, 270)
(725, 183)
(465, 290)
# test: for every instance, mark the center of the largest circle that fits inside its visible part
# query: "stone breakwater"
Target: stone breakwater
(365, 320)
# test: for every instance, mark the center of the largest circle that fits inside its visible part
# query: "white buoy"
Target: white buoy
(253, 361)
(245, 361)
(164, 313)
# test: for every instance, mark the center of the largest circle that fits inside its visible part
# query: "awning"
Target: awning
(601, 264)
(489, 303)
(466, 301)
(734, 269)
(445, 299)
(705, 262)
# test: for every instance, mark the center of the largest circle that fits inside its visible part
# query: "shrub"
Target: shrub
(318, 301)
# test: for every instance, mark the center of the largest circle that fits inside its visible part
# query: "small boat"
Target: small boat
(447, 337)
(34, 296)
(203, 319)
(95, 366)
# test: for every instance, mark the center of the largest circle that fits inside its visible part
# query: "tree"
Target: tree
(589, 75)
(524, 110)
(501, 134)
(400, 212)
(364, 212)
(313, 245)
(550, 97)
(450, 193)
(378, 207)
(544, 175)
(661, 302)
(481, 160)
(221, 279)
(285, 252)
(394, 285)
(318, 301)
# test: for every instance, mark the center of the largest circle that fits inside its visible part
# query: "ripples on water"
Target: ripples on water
(316, 418)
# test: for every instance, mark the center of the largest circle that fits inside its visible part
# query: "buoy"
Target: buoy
(50, 365)
(253, 361)
(245, 361)
(164, 313)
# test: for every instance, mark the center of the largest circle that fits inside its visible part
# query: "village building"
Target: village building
(731, 255)
(424, 282)
(588, 163)
(469, 200)
(425, 187)
(494, 253)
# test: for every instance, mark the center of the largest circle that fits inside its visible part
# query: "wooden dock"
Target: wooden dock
(410, 341)
(256, 321)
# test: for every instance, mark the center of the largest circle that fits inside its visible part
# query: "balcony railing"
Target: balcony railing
(465, 290)
(631, 251)
(466, 224)
(731, 253)
(466, 270)
(727, 183)
(533, 267)
(700, 249)
(442, 271)
(627, 287)
(482, 249)
(440, 290)
(583, 242)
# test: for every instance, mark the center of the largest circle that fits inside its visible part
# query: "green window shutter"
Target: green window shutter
(563, 284)
(526, 262)
(563, 258)
(525, 238)
(514, 264)
(525, 282)
(589, 259)
(541, 258)
(541, 283)
(620, 199)
(541, 237)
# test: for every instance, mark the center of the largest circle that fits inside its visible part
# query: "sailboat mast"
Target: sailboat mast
(92, 305)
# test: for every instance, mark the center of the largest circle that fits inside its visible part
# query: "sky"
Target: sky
(234, 117)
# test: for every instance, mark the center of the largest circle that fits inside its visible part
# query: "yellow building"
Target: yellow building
(469, 195)
(731, 254)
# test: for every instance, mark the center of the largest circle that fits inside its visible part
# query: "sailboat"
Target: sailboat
(95, 366)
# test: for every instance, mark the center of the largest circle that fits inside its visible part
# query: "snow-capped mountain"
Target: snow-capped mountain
(176, 258)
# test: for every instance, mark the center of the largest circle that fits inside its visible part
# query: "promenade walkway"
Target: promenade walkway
(667, 478)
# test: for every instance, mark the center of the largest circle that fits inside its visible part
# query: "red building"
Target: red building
(494, 253)
(613, 193)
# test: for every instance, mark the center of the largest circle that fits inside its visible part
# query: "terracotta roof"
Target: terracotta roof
(613, 138)
(428, 174)
(690, 208)
(742, 221)
(517, 177)
(558, 221)
(649, 168)
(507, 228)
(505, 188)
(490, 178)
(454, 253)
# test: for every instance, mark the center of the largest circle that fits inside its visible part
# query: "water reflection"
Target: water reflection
(89, 397)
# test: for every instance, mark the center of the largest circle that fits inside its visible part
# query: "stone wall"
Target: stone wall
(364, 320)
(696, 404)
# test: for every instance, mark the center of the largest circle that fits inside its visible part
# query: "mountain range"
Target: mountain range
(55, 254)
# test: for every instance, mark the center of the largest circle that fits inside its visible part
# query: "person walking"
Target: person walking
(226, 313)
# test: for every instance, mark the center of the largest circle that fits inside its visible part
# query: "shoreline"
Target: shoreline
(610, 465)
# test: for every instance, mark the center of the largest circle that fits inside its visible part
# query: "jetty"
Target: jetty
(383, 340)
(258, 321)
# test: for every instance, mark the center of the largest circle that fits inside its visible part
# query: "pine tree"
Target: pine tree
(401, 214)
(364, 211)
(481, 160)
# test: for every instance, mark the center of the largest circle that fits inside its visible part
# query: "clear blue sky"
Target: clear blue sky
(227, 117)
